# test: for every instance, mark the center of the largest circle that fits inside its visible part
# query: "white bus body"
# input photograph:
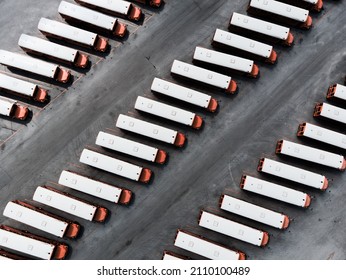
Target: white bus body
(82, 14)
(253, 212)
(128, 147)
(227, 61)
(147, 129)
(113, 165)
(330, 112)
(35, 219)
(169, 256)
(233, 229)
(243, 44)
(338, 91)
(310, 154)
(275, 191)
(33, 65)
(11, 108)
(204, 76)
(322, 134)
(184, 94)
(251, 24)
(56, 51)
(64, 203)
(168, 112)
(208, 249)
(293, 173)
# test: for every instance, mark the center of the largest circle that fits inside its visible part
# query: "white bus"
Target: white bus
(275, 191)
(62, 31)
(205, 76)
(31, 244)
(4, 255)
(11, 108)
(184, 94)
(23, 88)
(170, 256)
(244, 46)
(281, 12)
(227, 62)
(131, 148)
(34, 65)
(204, 247)
(38, 218)
(293, 173)
(168, 112)
(118, 7)
(311, 154)
(116, 166)
(52, 50)
(313, 5)
(260, 29)
(70, 204)
(233, 229)
(95, 188)
(151, 130)
(337, 91)
(330, 112)
(253, 212)
(82, 15)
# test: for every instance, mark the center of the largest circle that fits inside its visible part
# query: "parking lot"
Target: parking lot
(245, 128)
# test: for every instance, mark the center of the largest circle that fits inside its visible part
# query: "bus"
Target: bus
(32, 244)
(132, 148)
(292, 173)
(71, 34)
(275, 191)
(204, 76)
(23, 88)
(233, 229)
(243, 46)
(204, 247)
(4, 255)
(312, 5)
(225, 62)
(116, 166)
(307, 153)
(330, 112)
(168, 112)
(337, 91)
(11, 108)
(261, 30)
(95, 188)
(38, 46)
(82, 15)
(322, 134)
(151, 130)
(171, 256)
(117, 7)
(70, 204)
(184, 94)
(281, 12)
(253, 212)
(36, 217)
(34, 65)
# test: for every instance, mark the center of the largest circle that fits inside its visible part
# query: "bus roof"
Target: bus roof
(67, 31)
(17, 85)
(65, 203)
(87, 15)
(118, 6)
(35, 219)
(282, 9)
(6, 105)
(47, 47)
(243, 43)
(28, 63)
(26, 245)
(90, 186)
(180, 92)
(261, 26)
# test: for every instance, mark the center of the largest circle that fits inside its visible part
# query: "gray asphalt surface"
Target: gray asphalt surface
(232, 141)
